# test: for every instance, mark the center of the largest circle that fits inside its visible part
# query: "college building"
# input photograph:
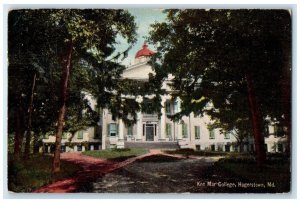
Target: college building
(150, 131)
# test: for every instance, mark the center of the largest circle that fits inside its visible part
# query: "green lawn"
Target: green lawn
(276, 170)
(116, 154)
(26, 176)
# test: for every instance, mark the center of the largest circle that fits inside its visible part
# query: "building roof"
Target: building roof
(144, 51)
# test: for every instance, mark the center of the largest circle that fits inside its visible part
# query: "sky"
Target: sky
(143, 18)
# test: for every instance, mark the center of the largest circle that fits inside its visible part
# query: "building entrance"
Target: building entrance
(150, 130)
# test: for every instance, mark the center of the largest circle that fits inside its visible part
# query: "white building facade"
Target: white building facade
(150, 131)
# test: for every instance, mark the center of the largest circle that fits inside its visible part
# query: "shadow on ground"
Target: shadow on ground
(164, 174)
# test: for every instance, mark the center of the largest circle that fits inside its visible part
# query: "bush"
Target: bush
(189, 151)
(121, 149)
(116, 154)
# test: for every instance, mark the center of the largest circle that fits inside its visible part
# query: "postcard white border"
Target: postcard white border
(7, 5)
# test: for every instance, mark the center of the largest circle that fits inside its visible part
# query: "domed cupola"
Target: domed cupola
(144, 51)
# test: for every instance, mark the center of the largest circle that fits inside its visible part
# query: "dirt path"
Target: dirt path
(160, 173)
(92, 168)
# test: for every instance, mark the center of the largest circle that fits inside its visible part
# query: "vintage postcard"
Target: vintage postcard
(149, 100)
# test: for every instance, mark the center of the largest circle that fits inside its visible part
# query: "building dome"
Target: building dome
(144, 51)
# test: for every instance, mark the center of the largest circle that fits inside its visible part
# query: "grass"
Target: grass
(116, 154)
(275, 170)
(28, 175)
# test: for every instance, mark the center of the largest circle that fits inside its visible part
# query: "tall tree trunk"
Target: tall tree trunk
(61, 115)
(28, 130)
(19, 130)
(286, 90)
(36, 143)
(256, 123)
(286, 106)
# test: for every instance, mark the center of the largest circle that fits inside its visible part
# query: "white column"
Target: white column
(120, 142)
(179, 133)
(104, 130)
(139, 130)
(190, 129)
(163, 121)
(121, 130)
(139, 127)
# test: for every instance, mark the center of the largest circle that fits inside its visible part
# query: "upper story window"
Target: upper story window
(112, 129)
(226, 135)
(80, 134)
(197, 132)
(168, 108)
(98, 132)
(129, 131)
(168, 130)
(184, 130)
(212, 134)
(278, 130)
(176, 106)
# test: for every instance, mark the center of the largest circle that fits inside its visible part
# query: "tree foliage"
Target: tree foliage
(210, 53)
(40, 41)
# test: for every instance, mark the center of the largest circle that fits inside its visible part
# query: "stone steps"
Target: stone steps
(152, 145)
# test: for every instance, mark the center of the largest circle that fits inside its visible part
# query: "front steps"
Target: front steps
(152, 145)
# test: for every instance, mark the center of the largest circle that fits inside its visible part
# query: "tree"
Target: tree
(76, 37)
(215, 55)
(24, 67)
(92, 34)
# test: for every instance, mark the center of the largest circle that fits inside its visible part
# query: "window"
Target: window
(278, 131)
(98, 132)
(198, 147)
(212, 134)
(279, 147)
(184, 130)
(129, 131)
(112, 129)
(63, 148)
(213, 147)
(176, 106)
(96, 147)
(80, 134)
(79, 148)
(227, 135)
(197, 132)
(98, 110)
(227, 148)
(168, 108)
(168, 130)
